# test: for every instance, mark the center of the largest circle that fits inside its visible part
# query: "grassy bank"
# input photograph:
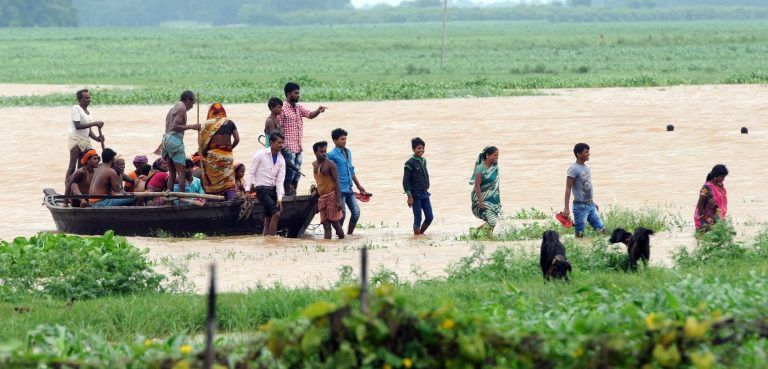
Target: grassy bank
(378, 62)
(709, 308)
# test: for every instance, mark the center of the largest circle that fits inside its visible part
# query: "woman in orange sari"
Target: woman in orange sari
(217, 139)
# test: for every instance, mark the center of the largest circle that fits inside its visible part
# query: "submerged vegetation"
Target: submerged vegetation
(531, 223)
(490, 310)
(379, 62)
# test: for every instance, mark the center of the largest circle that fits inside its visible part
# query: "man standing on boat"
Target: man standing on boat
(293, 128)
(80, 132)
(265, 177)
(173, 139)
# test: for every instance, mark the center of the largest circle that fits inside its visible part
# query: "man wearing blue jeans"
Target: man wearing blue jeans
(579, 181)
(342, 157)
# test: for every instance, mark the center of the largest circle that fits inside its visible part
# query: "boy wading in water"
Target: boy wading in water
(416, 185)
(329, 204)
(342, 157)
(579, 180)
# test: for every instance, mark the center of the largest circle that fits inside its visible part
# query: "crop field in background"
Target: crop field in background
(378, 62)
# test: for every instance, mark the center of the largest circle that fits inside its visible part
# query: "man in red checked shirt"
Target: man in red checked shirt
(293, 130)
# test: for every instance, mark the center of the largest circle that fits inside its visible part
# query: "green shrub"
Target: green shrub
(74, 267)
(715, 246)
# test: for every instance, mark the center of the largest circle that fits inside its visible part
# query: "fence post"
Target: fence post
(364, 279)
(210, 322)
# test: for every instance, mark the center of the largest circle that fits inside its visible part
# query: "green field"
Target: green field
(377, 62)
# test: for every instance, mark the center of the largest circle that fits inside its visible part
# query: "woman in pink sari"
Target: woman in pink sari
(713, 200)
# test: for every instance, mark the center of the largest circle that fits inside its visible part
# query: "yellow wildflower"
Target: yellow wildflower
(650, 322)
(578, 353)
(666, 357)
(702, 306)
(694, 329)
(448, 324)
(147, 342)
(717, 314)
(185, 349)
(387, 366)
(703, 361)
(407, 362)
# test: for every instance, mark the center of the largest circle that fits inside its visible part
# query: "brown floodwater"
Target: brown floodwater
(635, 163)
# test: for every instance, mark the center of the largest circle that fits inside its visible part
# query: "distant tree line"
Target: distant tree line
(37, 13)
(126, 13)
(550, 13)
(122, 13)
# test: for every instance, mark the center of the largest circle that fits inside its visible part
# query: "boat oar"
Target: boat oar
(189, 195)
(200, 149)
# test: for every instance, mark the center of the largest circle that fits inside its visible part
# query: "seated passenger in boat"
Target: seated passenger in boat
(197, 171)
(157, 180)
(142, 176)
(79, 183)
(120, 169)
(138, 162)
(239, 179)
(191, 185)
(218, 137)
(106, 181)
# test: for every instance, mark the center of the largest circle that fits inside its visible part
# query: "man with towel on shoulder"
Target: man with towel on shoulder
(329, 203)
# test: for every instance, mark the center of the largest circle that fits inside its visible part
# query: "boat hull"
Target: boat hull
(215, 218)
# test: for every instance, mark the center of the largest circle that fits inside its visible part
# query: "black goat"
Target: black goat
(638, 244)
(554, 263)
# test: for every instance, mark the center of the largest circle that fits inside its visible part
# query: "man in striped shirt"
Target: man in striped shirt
(293, 129)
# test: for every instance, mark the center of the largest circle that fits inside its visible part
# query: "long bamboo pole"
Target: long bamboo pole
(145, 195)
(199, 151)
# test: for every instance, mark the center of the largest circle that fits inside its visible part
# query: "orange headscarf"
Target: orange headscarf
(216, 111)
(87, 155)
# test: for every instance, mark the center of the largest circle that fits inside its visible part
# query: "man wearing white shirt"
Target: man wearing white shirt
(265, 177)
(80, 130)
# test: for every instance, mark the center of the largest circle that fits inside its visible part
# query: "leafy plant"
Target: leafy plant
(75, 267)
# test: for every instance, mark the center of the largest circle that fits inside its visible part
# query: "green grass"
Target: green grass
(603, 317)
(376, 62)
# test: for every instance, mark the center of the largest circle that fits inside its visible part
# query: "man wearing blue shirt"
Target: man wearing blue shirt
(342, 157)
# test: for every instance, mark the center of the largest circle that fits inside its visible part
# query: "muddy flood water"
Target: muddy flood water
(635, 163)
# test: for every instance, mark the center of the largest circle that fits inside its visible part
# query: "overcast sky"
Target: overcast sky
(359, 3)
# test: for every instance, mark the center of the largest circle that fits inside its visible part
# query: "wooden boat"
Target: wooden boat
(215, 218)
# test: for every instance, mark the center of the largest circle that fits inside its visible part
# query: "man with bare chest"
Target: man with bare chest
(329, 203)
(106, 181)
(79, 183)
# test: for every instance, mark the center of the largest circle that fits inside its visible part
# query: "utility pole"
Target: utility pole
(442, 38)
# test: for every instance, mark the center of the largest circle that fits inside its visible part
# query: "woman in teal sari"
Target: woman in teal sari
(486, 202)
